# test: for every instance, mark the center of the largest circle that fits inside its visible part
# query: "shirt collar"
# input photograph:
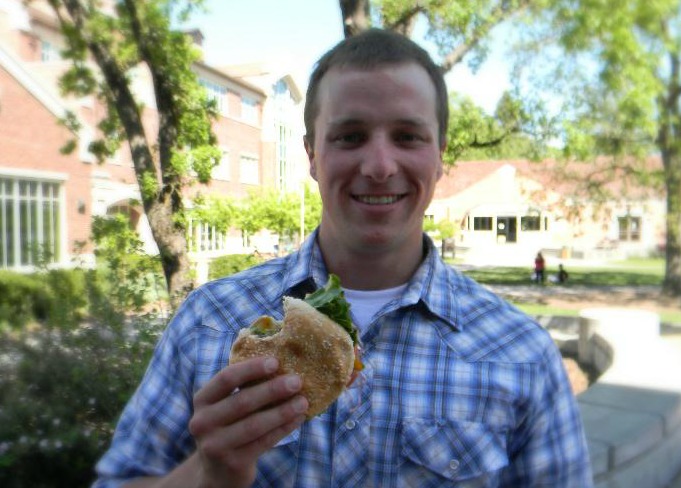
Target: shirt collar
(306, 270)
(434, 285)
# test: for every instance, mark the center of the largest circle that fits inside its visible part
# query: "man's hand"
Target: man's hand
(235, 421)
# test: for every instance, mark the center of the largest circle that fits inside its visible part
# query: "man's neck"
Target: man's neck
(371, 270)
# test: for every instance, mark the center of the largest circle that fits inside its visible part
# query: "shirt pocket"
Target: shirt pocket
(442, 452)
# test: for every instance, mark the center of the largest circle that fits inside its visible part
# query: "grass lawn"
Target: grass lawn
(640, 272)
(635, 272)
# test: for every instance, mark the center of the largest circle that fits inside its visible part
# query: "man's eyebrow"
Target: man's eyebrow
(346, 121)
(413, 121)
(353, 121)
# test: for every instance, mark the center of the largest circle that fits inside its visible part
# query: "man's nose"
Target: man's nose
(380, 159)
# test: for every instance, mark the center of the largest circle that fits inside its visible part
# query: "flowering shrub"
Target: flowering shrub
(67, 372)
(60, 398)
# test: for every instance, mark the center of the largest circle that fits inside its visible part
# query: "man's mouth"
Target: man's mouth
(378, 199)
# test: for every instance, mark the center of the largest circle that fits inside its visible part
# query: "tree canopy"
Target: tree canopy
(108, 43)
(615, 66)
(622, 103)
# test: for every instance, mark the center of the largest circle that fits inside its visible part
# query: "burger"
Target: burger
(316, 340)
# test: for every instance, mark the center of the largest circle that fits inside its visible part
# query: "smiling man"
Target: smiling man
(376, 153)
(458, 388)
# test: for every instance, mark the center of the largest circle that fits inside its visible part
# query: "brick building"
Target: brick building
(48, 199)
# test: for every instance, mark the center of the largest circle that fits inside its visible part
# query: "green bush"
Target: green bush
(55, 297)
(61, 392)
(230, 264)
(68, 297)
(23, 298)
(65, 379)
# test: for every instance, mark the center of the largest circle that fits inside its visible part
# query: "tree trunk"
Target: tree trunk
(161, 194)
(672, 276)
(172, 244)
(356, 16)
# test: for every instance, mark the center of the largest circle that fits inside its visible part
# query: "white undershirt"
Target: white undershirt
(364, 304)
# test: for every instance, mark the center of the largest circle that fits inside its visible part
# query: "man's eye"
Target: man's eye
(350, 139)
(408, 137)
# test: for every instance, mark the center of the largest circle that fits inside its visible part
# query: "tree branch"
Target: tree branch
(405, 24)
(498, 15)
(119, 89)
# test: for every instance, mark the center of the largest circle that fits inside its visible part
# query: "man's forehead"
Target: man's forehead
(403, 91)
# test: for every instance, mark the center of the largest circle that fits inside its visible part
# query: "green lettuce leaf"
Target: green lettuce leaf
(330, 301)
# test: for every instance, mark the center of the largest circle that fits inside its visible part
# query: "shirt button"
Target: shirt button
(350, 424)
(454, 465)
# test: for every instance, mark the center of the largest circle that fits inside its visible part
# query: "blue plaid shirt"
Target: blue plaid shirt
(459, 389)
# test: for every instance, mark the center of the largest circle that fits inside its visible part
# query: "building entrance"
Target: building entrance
(507, 229)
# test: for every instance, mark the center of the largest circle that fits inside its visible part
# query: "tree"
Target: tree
(618, 67)
(442, 231)
(458, 29)
(461, 32)
(266, 209)
(138, 35)
(624, 102)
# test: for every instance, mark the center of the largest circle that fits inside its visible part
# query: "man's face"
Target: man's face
(376, 156)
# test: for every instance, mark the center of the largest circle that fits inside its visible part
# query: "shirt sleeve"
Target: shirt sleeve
(550, 448)
(151, 437)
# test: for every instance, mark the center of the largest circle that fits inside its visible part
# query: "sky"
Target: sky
(297, 32)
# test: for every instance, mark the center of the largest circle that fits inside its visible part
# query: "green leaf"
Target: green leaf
(330, 301)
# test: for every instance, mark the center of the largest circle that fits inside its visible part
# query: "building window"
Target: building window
(285, 176)
(249, 172)
(49, 52)
(629, 228)
(283, 109)
(218, 94)
(482, 223)
(529, 223)
(249, 110)
(222, 170)
(203, 237)
(30, 216)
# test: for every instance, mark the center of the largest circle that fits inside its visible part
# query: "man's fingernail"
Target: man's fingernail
(293, 383)
(300, 405)
(271, 365)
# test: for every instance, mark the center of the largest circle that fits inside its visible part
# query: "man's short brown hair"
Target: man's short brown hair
(368, 50)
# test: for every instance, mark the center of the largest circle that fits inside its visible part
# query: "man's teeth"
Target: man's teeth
(378, 200)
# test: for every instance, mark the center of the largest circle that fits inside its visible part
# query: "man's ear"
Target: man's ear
(309, 149)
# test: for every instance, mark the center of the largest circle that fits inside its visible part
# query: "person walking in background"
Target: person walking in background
(539, 266)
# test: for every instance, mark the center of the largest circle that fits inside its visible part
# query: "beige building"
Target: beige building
(507, 211)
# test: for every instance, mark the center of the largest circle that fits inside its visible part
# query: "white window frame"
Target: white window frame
(249, 110)
(249, 169)
(222, 171)
(30, 208)
(218, 93)
(205, 238)
(49, 52)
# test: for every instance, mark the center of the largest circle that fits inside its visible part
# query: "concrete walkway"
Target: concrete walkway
(633, 412)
